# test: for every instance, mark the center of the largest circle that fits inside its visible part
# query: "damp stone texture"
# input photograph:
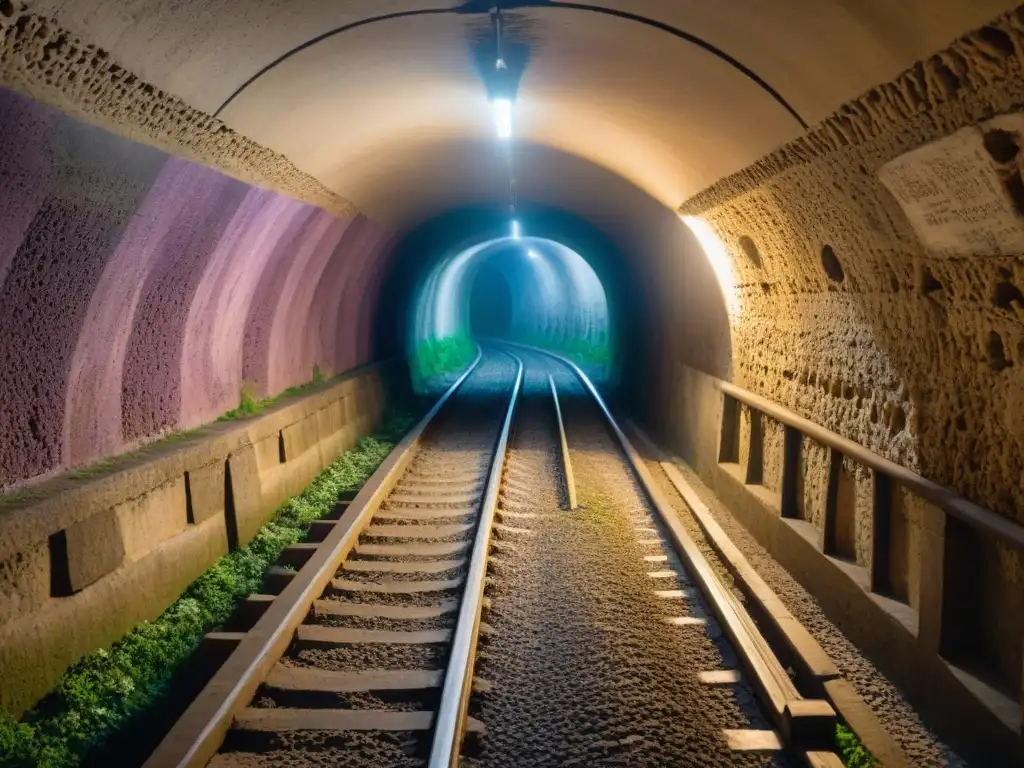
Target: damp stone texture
(848, 317)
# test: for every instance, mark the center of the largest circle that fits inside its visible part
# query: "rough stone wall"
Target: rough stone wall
(139, 292)
(40, 58)
(848, 319)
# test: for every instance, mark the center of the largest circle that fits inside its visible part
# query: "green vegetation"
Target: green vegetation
(95, 468)
(250, 405)
(438, 357)
(595, 351)
(104, 694)
(851, 750)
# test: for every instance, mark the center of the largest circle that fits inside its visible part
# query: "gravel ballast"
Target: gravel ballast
(582, 667)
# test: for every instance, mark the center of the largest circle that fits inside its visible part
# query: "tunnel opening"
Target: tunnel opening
(516, 288)
(476, 277)
(490, 304)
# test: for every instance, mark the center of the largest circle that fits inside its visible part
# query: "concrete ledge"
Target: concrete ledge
(36, 649)
(85, 557)
(32, 515)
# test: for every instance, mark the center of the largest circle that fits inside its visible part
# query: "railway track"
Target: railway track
(366, 652)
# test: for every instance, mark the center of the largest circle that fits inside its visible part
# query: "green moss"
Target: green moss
(93, 469)
(101, 696)
(595, 351)
(250, 405)
(851, 751)
(438, 357)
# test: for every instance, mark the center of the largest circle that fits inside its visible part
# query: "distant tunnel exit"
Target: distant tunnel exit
(490, 304)
(529, 290)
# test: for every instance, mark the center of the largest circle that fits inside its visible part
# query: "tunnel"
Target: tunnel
(770, 254)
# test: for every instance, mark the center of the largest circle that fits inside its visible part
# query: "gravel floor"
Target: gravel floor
(583, 668)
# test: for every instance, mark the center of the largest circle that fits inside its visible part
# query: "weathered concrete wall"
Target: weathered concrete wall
(139, 292)
(850, 319)
(84, 559)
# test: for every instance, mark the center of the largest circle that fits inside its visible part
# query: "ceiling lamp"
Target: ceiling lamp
(502, 109)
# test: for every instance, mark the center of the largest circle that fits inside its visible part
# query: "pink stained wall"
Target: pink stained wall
(139, 292)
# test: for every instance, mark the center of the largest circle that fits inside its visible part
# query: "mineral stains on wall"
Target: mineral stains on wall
(140, 292)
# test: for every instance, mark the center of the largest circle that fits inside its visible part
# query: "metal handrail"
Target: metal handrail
(458, 679)
(944, 498)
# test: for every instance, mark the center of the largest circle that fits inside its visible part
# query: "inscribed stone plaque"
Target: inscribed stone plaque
(954, 195)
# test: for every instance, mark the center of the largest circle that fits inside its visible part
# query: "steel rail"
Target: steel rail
(449, 725)
(784, 703)
(570, 482)
(200, 731)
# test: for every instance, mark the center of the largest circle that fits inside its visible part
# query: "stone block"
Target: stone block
(329, 426)
(810, 723)
(206, 492)
(300, 437)
(92, 548)
(351, 403)
(245, 513)
(329, 419)
(37, 647)
(268, 452)
(152, 518)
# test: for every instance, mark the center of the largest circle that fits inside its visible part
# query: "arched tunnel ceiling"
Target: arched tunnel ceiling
(392, 115)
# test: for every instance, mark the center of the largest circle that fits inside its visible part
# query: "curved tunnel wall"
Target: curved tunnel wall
(140, 292)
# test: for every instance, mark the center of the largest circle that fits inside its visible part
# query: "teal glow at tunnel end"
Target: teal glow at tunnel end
(557, 302)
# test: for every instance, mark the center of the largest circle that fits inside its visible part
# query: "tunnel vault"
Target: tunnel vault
(198, 197)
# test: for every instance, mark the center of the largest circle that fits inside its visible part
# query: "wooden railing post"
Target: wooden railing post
(931, 578)
(792, 444)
